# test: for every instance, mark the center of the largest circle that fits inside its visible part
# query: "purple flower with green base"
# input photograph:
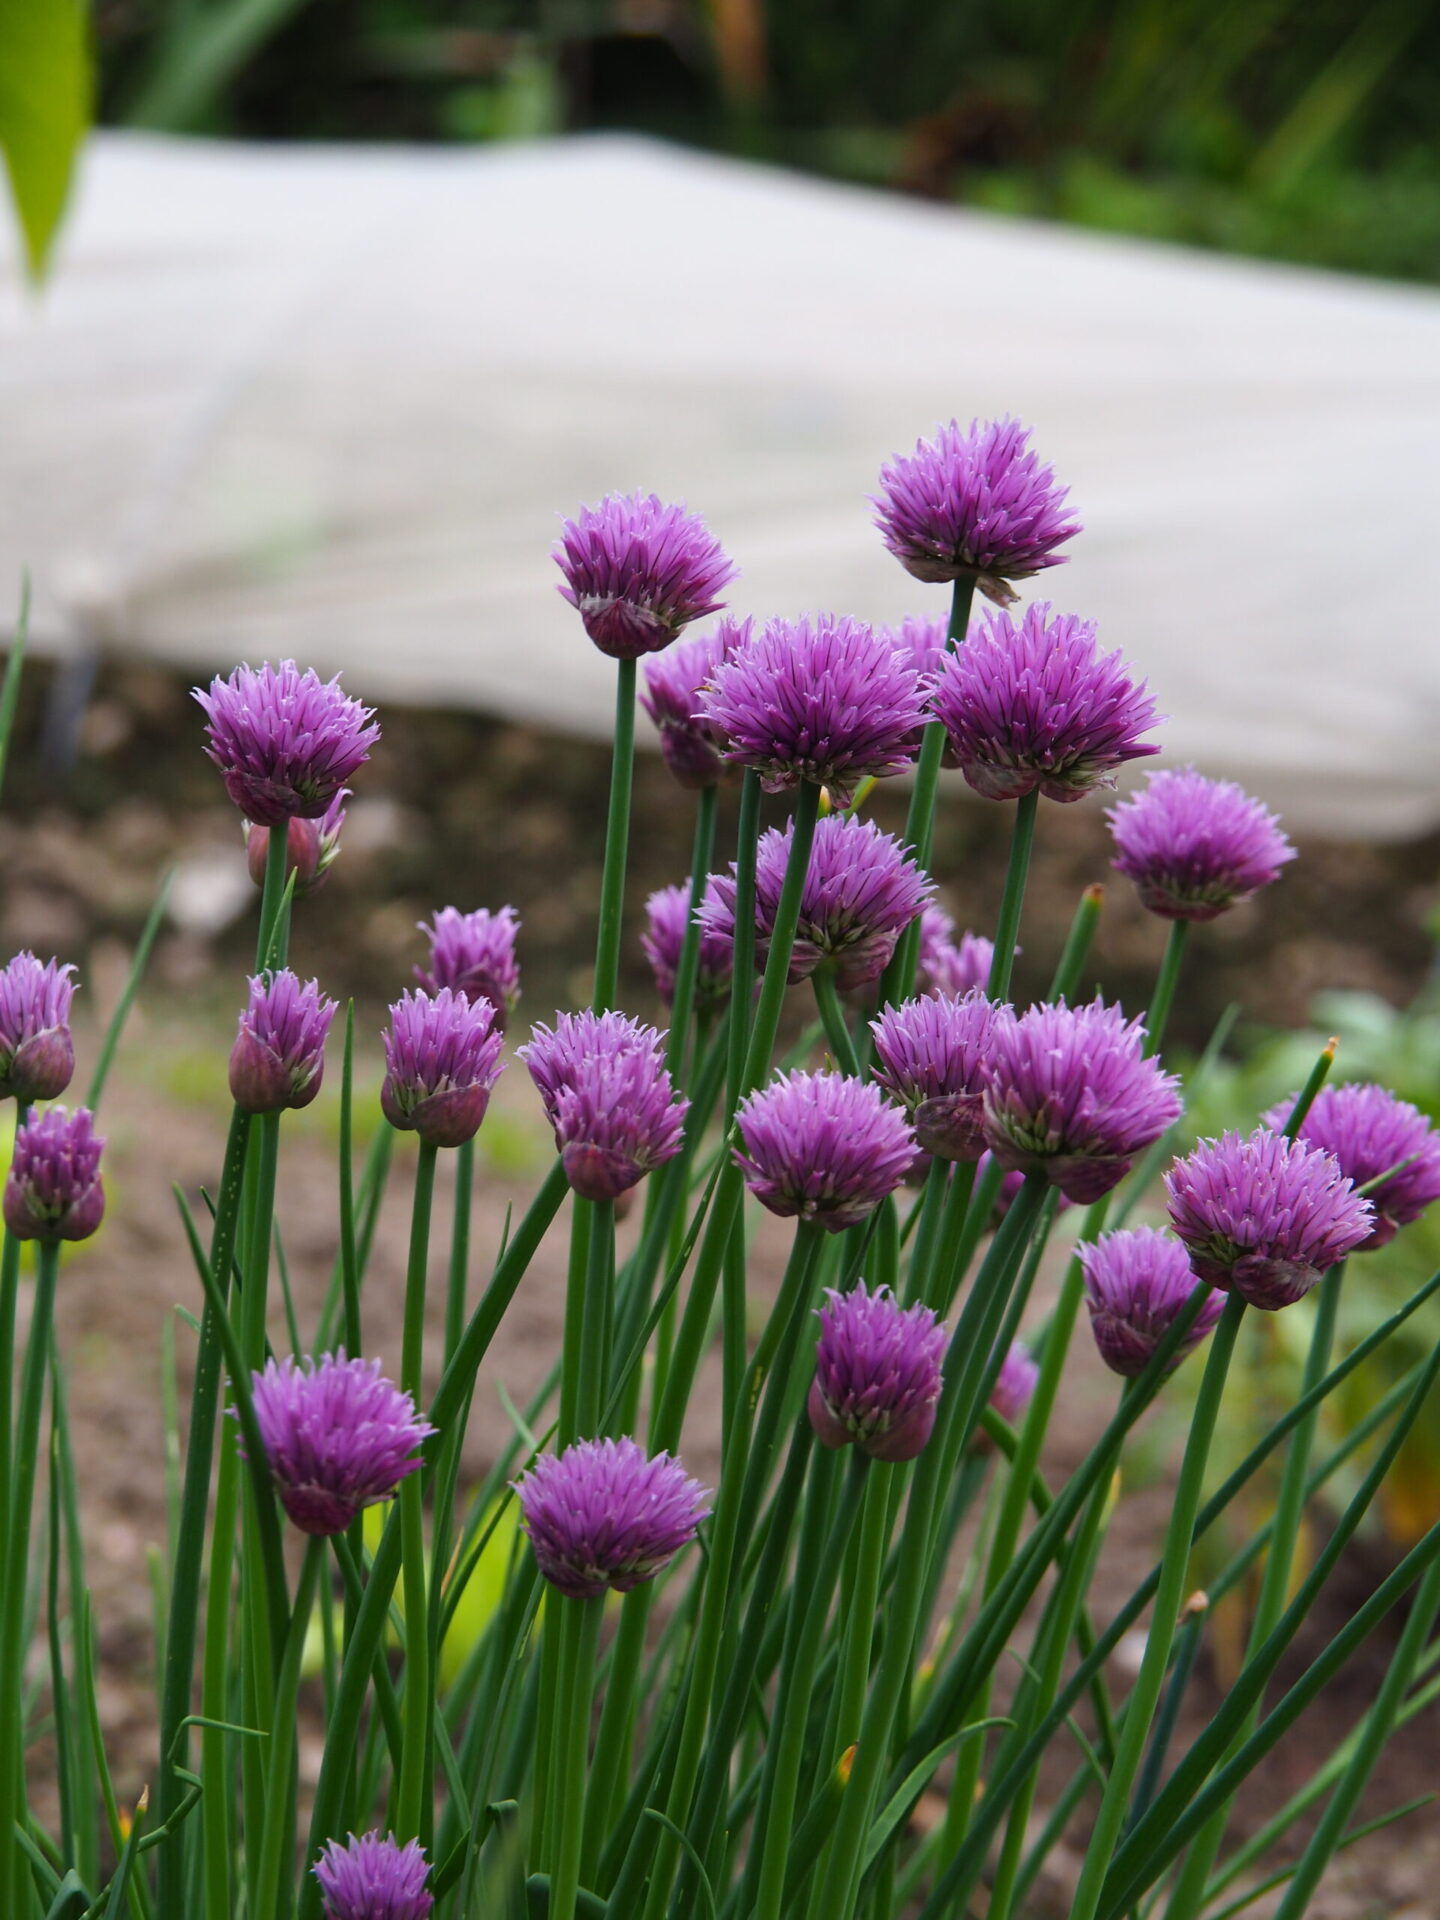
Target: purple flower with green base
(827, 700)
(1371, 1132)
(278, 1059)
(285, 741)
(474, 954)
(1072, 1096)
(933, 1055)
(1137, 1283)
(603, 1517)
(54, 1190)
(862, 889)
(1264, 1216)
(1196, 847)
(37, 1054)
(374, 1879)
(974, 504)
(639, 572)
(1036, 705)
(443, 1055)
(311, 846)
(822, 1147)
(947, 965)
(606, 1091)
(674, 681)
(877, 1374)
(338, 1437)
(667, 917)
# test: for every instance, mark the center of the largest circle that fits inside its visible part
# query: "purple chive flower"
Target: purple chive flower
(54, 1191)
(946, 965)
(374, 1879)
(638, 571)
(602, 1516)
(285, 741)
(828, 700)
(926, 641)
(1136, 1283)
(1264, 1217)
(822, 1146)
(862, 889)
(442, 1059)
(877, 1374)
(1195, 847)
(673, 683)
(1072, 1096)
(934, 1056)
(1369, 1131)
(974, 503)
(1038, 705)
(311, 846)
(1014, 1384)
(338, 1437)
(278, 1058)
(606, 1092)
(37, 1055)
(667, 917)
(474, 954)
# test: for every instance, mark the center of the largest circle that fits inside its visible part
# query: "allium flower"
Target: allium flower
(1264, 1217)
(673, 683)
(54, 1191)
(862, 889)
(442, 1059)
(1038, 705)
(338, 1437)
(278, 1058)
(37, 1055)
(474, 954)
(1072, 1096)
(374, 1879)
(602, 1515)
(1195, 847)
(1015, 1383)
(607, 1094)
(311, 846)
(974, 503)
(946, 965)
(877, 1374)
(667, 917)
(639, 571)
(1369, 1131)
(1137, 1282)
(828, 700)
(823, 1146)
(934, 1056)
(285, 741)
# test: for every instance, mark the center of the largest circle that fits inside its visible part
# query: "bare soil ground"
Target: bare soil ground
(473, 812)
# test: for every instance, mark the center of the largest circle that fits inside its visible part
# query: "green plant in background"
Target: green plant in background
(45, 88)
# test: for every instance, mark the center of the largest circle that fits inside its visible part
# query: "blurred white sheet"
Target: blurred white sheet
(330, 402)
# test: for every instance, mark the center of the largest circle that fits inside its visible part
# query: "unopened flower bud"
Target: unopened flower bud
(54, 1191)
(37, 1055)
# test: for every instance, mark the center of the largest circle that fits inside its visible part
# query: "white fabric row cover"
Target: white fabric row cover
(331, 402)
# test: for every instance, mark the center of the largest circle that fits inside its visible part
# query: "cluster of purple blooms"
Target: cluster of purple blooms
(608, 1096)
(371, 1878)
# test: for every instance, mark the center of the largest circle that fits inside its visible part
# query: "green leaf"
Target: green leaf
(44, 111)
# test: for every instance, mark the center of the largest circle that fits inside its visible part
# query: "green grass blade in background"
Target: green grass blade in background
(44, 111)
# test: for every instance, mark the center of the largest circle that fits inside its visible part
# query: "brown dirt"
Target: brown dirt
(476, 812)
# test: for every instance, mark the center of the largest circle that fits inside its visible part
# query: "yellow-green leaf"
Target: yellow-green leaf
(44, 110)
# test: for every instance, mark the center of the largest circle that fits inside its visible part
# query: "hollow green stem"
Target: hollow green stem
(742, 978)
(413, 1812)
(1166, 981)
(459, 1246)
(617, 838)
(1189, 1894)
(837, 1033)
(14, 1869)
(1007, 927)
(1078, 943)
(277, 1840)
(1169, 1593)
(682, 1004)
(573, 1728)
